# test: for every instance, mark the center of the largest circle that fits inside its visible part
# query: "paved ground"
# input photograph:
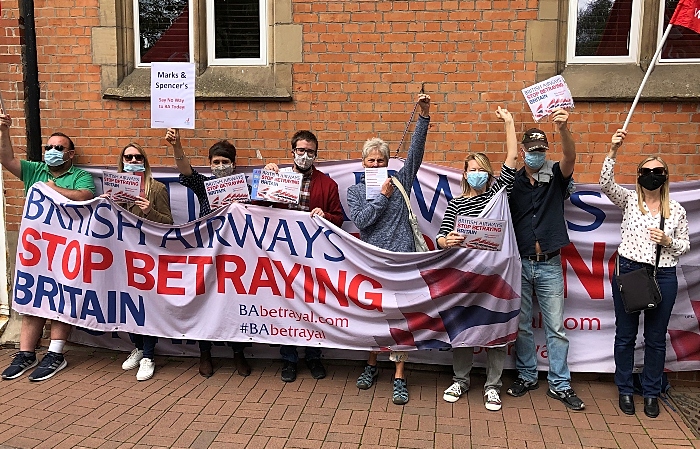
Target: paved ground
(93, 403)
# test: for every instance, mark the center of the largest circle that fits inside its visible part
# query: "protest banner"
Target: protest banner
(548, 95)
(122, 186)
(172, 95)
(481, 233)
(374, 178)
(226, 190)
(282, 187)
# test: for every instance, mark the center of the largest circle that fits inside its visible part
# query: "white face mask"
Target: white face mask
(303, 162)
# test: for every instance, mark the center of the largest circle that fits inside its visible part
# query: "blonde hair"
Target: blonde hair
(665, 196)
(484, 163)
(376, 144)
(147, 178)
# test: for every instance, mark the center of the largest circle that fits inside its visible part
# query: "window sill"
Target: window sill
(598, 82)
(216, 83)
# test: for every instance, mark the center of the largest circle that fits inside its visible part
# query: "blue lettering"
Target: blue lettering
(42, 292)
(121, 224)
(73, 293)
(104, 221)
(178, 237)
(138, 313)
(212, 231)
(443, 185)
(240, 238)
(282, 226)
(309, 239)
(23, 283)
(340, 258)
(599, 215)
(34, 200)
(91, 306)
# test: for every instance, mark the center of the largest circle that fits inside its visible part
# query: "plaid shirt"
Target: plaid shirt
(304, 194)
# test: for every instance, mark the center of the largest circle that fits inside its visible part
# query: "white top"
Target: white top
(636, 243)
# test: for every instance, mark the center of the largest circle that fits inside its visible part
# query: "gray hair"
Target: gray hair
(376, 144)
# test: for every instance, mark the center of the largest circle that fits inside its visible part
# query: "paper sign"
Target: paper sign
(374, 178)
(481, 233)
(545, 97)
(282, 187)
(172, 95)
(226, 190)
(122, 186)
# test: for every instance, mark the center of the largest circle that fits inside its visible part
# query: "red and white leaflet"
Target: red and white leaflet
(282, 187)
(481, 233)
(122, 186)
(544, 97)
(226, 190)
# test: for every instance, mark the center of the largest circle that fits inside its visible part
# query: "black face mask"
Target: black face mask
(651, 181)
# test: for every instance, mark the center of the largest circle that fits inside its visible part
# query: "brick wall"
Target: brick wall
(363, 64)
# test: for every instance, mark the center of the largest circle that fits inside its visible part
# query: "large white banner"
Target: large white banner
(594, 229)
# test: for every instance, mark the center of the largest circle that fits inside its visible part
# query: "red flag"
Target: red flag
(687, 15)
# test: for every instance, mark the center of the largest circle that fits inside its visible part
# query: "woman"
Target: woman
(155, 207)
(642, 210)
(478, 187)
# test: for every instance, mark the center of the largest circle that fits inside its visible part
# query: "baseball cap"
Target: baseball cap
(535, 139)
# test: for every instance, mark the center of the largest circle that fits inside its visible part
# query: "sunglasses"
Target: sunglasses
(54, 147)
(655, 170)
(133, 157)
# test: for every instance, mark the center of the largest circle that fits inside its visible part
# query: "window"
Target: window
(682, 44)
(162, 31)
(234, 30)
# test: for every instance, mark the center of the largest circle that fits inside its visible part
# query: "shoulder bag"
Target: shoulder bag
(421, 246)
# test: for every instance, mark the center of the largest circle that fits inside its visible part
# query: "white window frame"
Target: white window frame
(634, 38)
(662, 7)
(213, 61)
(137, 34)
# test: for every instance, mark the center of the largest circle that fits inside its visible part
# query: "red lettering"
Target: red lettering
(73, 246)
(164, 273)
(200, 261)
(145, 271)
(374, 298)
(264, 266)
(234, 276)
(53, 242)
(308, 285)
(324, 281)
(592, 280)
(33, 250)
(90, 264)
(288, 278)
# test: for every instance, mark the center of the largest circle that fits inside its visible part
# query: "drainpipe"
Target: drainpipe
(30, 70)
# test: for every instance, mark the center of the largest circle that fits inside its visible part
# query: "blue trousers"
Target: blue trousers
(290, 354)
(146, 343)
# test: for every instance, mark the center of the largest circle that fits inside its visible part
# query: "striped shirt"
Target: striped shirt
(474, 205)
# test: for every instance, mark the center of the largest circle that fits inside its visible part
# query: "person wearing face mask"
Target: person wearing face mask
(642, 210)
(154, 206)
(319, 196)
(222, 158)
(479, 185)
(537, 209)
(57, 172)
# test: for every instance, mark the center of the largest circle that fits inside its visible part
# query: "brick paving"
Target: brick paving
(94, 404)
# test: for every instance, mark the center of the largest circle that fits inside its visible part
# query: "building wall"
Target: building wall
(362, 66)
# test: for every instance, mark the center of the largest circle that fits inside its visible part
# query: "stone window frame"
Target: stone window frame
(545, 45)
(113, 50)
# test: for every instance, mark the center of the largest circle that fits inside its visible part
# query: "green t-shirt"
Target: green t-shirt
(74, 179)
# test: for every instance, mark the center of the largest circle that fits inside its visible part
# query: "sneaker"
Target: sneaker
(133, 360)
(52, 363)
(367, 378)
(454, 392)
(400, 396)
(492, 400)
(520, 387)
(289, 371)
(568, 397)
(316, 368)
(146, 369)
(22, 362)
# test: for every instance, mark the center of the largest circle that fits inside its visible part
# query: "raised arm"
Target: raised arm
(616, 193)
(511, 139)
(414, 159)
(561, 117)
(7, 155)
(172, 136)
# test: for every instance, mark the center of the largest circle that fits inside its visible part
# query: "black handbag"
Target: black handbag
(639, 289)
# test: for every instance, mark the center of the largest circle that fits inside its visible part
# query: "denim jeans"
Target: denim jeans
(290, 354)
(655, 327)
(546, 281)
(146, 343)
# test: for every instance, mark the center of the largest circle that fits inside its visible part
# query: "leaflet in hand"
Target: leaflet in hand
(282, 187)
(226, 190)
(374, 178)
(122, 186)
(481, 233)
(544, 97)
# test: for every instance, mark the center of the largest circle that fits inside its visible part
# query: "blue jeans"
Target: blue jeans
(290, 354)
(146, 343)
(546, 281)
(655, 327)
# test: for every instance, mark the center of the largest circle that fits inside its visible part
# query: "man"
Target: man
(319, 195)
(58, 172)
(383, 222)
(537, 210)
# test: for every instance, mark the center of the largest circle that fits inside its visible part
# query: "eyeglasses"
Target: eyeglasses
(655, 170)
(308, 151)
(54, 147)
(133, 157)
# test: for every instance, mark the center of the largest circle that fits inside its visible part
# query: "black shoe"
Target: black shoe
(241, 364)
(520, 387)
(627, 404)
(206, 368)
(651, 407)
(568, 397)
(22, 362)
(289, 371)
(52, 363)
(316, 368)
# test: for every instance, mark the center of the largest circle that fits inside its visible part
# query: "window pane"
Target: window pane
(237, 28)
(681, 43)
(603, 27)
(164, 31)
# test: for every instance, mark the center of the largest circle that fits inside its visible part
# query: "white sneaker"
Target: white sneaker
(453, 393)
(133, 360)
(146, 369)
(492, 400)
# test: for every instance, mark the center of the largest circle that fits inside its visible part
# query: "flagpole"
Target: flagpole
(646, 75)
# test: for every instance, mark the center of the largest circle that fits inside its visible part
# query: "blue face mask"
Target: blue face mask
(53, 157)
(535, 159)
(133, 168)
(477, 179)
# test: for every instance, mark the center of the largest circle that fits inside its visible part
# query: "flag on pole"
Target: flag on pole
(687, 14)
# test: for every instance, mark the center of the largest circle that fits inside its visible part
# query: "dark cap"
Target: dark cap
(535, 139)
